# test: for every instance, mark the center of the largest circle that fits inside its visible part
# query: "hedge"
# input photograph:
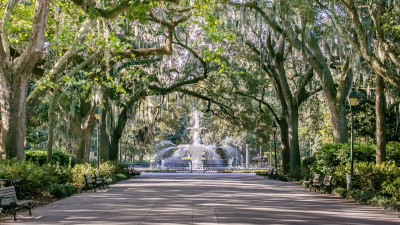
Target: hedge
(40, 157)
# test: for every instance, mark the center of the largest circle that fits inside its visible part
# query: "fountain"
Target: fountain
(197, 152)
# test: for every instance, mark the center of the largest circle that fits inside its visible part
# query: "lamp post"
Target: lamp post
(274, 128)
(353, 100)
(311, 144)
(260, 140)
(237, 163)
(97, 115)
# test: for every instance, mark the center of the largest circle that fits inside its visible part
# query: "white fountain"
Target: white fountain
(195, 151)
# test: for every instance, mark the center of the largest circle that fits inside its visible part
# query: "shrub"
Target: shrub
(118, 177)
(60, 157)
(36, 156)
(62, 190)
(392, 188)
(260, 172)
(281, 177)
(393, 152)
(360, 196)
(35, 179)
(309, 167)
(377, 178)
(333, 154)
(107, 170)
(340, 191)
(55, 179)
(78, 173)
(40, 157)
(385, 202)
(113, 167)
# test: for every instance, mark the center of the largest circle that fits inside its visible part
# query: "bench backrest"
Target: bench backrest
(88, 178)
(7, 195)
(316, 178)
(97, 175)
(327, 180)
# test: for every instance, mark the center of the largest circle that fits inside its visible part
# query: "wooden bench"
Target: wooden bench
(10, 204)
(266, 173)
(271, 174)
(134, 173)
(98, 178)
(315, 180)
(327, 184)
(90, 183)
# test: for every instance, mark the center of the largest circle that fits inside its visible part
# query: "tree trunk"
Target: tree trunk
(293, 126)
(117, 134)
(14, 78)
(335, 97)
(13, 115)
(80, 139)
(104, 137)
(51, 126)
(380, 120)
(339, 124)
(115, 138)
(283, 125)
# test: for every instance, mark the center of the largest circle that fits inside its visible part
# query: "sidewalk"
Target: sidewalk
(205, 199)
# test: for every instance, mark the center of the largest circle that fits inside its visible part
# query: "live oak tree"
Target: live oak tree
(16, 68)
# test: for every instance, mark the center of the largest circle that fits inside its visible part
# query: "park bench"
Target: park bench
(90, 183)
(272, 174)
(134, 173)
(98, 178)
(266, 173)
(327, 184)
(10, 204)
(310, 183)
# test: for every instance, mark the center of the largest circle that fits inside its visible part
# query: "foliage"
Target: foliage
(367, 197)
(308, 166)
(340, 191)
(107, 170)
(393, 152)
(62, 190)
(385, 202)
(333, 154)
(35, 178)
(118, 177)
(360, 196)
(382, 179)
(40, 157)
(58, 180)
(78, 173)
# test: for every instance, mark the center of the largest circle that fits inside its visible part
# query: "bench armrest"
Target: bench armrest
(2, 198)
(7, 197)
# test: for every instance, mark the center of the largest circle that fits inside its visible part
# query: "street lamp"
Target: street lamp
(97, 116)
(353, 100)
(237, 163)
(274, 128)
(260, 140)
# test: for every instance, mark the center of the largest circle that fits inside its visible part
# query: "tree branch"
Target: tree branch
(261, 102)
(166, 49)
(391, 106)
(223, 107)
(119, 9)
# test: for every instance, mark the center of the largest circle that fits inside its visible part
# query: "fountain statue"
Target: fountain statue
(193, 156)
(197, 150)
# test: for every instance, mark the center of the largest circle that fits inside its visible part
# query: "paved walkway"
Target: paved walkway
(205, 199)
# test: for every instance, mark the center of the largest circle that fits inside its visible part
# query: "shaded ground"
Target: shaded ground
(205, 199)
